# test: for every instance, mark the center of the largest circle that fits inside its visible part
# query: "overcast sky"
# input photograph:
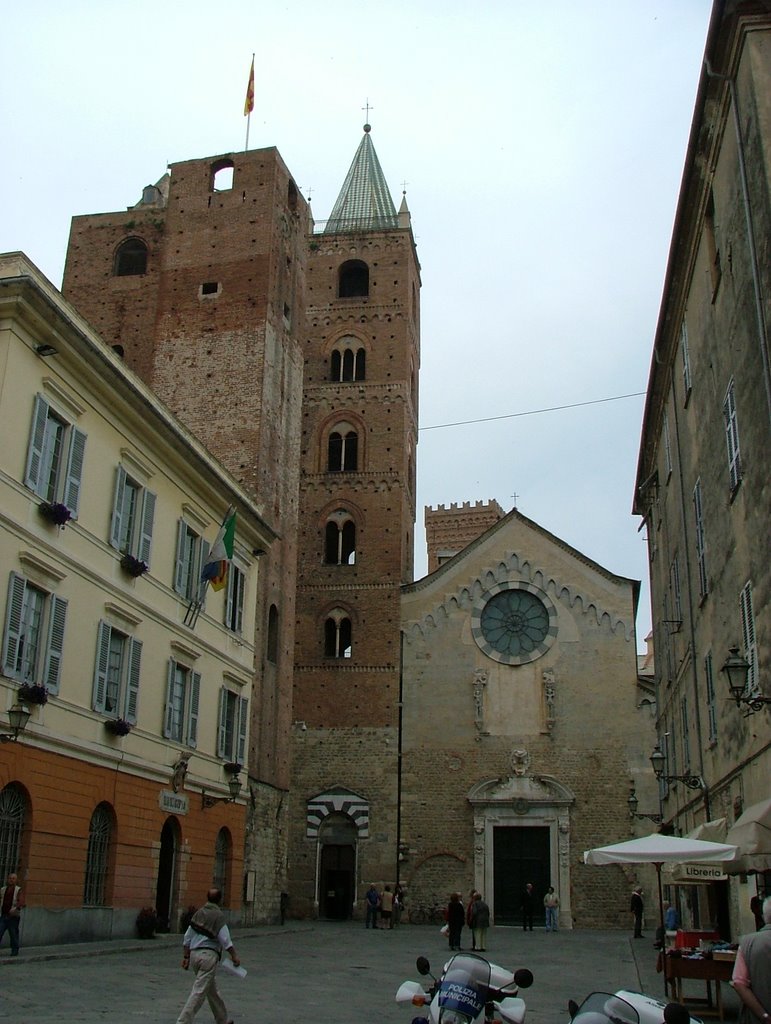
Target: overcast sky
(542, 147)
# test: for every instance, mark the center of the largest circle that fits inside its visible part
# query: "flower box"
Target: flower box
(29, 693)
(118, 726)
(232, 767)
(55, 512)
(133, 566)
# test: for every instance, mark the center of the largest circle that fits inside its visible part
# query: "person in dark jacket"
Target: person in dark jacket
(527, 902)
(456, 918)
(636, 906)
(480, 921)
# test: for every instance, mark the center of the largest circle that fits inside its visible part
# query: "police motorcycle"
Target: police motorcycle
(625, 1007)
(469, 988)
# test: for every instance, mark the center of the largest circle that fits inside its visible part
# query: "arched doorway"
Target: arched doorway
(166, 887)
(337, 867)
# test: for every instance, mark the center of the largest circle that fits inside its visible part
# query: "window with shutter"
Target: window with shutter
(33, 641)
(55, 456)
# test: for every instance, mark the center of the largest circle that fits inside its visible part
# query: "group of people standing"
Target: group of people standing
(384, 909)
(475, 916)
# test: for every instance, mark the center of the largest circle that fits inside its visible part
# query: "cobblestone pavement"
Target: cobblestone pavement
(320, 972)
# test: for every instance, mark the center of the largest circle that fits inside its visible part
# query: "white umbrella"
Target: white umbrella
(752, 834)
(658, 849)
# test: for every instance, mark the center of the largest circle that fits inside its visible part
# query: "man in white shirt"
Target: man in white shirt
(203, 943)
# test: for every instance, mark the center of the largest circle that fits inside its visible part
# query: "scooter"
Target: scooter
(467, 986)
(627, 1008)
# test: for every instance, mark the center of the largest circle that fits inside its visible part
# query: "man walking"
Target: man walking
(11, 906)
(203, 943)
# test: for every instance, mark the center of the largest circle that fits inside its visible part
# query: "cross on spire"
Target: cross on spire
(367, 109)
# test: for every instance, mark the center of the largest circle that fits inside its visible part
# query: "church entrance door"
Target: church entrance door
(520, 855)
(337, 864)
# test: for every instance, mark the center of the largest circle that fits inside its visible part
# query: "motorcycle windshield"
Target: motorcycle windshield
(602, 1007)
(463, 989)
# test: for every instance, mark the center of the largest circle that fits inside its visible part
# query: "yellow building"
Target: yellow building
(115, 796)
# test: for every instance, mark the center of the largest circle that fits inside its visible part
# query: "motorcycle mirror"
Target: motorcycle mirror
(572, 1008)
(523, 977)
(423, 966)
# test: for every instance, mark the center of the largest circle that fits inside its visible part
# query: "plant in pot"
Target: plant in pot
(133, 566)
(31, 693)
(55, 512)
(146, 923)
(232, 767)
(118, 726)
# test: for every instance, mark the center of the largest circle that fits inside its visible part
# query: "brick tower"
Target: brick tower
(450, 530)
(201, 286)
(357, 514)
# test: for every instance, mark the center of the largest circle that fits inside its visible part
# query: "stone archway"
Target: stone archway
(505, 807)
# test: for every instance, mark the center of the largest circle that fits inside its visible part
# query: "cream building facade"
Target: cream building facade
(703, 472)
(109, 505)
(523, 724)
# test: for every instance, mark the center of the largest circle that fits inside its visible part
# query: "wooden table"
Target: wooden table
(679, 968)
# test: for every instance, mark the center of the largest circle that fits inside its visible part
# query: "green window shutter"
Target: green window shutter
(223, 723)
(243, 724)
(179, 563)
(148, 518)
(229, 603)
(132, 678)
(74, 470)
(36, 443)
(99, 695)
(192, 709)
(167, 714)
(199, 587)
(16, 587)
(116, 522)
(52, 668)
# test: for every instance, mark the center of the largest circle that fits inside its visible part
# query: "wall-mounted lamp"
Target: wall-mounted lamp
(658, 761)
(737, 670)
(46, 350)
(234, 785)
(18, 716)
(633, 813)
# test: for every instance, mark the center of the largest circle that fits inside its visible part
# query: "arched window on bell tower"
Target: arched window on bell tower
(343, 450)
(337, 634)
(353, 280)
(340, 539)
(348, 361)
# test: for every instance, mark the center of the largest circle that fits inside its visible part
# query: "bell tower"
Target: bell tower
(355, 546)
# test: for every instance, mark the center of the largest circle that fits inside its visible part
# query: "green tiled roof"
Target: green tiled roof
(364, 203)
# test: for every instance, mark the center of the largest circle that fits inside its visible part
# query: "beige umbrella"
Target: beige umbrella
(752, 834)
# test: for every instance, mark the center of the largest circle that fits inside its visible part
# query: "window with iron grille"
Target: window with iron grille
(12, 814)
(98, 857)
(222, 848)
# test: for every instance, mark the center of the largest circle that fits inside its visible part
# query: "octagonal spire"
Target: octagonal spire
(365, 202)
